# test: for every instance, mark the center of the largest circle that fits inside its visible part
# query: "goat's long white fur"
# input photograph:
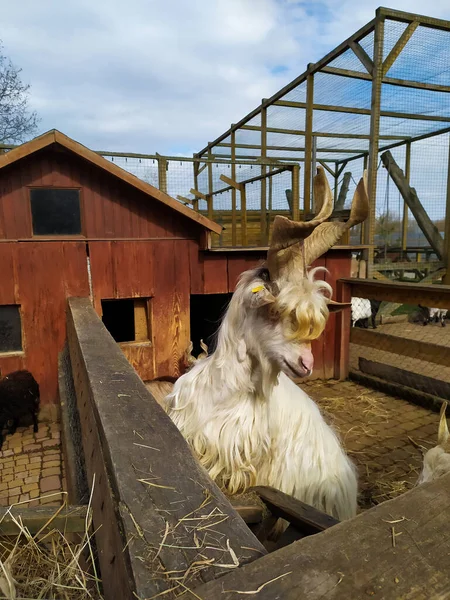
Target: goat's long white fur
(249, 424)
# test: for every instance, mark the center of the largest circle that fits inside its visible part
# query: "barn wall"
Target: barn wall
(39, 277)
(110, 208)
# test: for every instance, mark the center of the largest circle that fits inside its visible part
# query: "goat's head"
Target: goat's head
(436, 461)
(280, 308)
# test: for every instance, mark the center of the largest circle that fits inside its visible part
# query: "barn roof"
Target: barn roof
(56, 137)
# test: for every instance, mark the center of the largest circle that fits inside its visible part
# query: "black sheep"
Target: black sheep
(19, 396)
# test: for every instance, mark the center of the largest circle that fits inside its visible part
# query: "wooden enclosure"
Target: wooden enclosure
(138, 253)
(395, 550)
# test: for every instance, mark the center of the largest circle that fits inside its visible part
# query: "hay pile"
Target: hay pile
(47, 565)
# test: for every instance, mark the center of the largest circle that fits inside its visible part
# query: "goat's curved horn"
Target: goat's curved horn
(443, 427)
(327, 234)
(295, 245)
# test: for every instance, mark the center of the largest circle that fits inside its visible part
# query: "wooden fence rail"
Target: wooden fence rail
(145, 479)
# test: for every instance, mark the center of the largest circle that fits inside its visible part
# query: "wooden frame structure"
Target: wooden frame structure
(373, 51)
(142, 466)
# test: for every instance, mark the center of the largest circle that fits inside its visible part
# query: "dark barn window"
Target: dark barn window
(207, 311)
(10, 329)
(126, 320)
(55, 211)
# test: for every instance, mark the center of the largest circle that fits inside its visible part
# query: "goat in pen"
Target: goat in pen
(245, 419)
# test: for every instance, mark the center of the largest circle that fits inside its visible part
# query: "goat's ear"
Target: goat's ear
(334, 307)
(260, 296)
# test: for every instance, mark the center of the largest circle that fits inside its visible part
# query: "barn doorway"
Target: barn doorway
(207, 311)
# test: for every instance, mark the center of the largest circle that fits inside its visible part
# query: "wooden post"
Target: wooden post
(244, 214)
(263, 216)
(308, 145)
(375, 108)
(295, 192)
(405, 206)
(162, 173)
(196, 165)
(313, 171)
(362, 237)
(209, 197)
(446, 278)
(336, 183)
(343, 191)
(233, 191)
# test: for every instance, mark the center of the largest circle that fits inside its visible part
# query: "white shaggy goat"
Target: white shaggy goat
(243, 416)
(436, 461)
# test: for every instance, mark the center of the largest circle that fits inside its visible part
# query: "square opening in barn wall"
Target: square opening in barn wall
(55, 211)
(207, 311)
(10, 329)
(127, 320)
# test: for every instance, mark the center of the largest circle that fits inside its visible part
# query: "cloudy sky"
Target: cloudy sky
(169, 75)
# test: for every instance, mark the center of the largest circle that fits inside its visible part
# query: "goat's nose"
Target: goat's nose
(307, 360)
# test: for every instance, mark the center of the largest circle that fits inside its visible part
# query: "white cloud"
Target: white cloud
(168, 75)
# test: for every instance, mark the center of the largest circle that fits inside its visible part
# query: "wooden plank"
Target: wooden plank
(362, 55)
(405, 206)
(434, 353)
(399, 45)
(362, 111)
(122, 426)
(306, 518)
(437, 296)
(429, 385)
(433, 87)
(446, 279)
(215, 274)
(411, 198)
(395, 550)
(197, 194)
(70, 519)
(296, 192)
(343, 191)
(233, 191)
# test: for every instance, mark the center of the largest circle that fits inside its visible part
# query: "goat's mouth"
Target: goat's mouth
(296, 371)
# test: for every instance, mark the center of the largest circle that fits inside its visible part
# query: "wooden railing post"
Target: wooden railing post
(295, 192)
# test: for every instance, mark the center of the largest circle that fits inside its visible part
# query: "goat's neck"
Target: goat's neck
(241, 370)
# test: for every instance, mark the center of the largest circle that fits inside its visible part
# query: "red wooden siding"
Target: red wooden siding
(158, 270)
(39, 277)
(110, 208)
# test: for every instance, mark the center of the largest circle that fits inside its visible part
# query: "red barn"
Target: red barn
(74, 224)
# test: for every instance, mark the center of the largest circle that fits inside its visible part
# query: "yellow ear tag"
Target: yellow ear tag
(257, 289)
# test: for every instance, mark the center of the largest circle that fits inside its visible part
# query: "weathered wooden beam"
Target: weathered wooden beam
(197, 194)
(233, 191)
(68, 519)
(292, 148)
(343, 191)
(409, 195)
(362, 55)
(405, 206)
(394, 550)
(434, 353)
(307, 182)
(162, 173)
(399, 45)
(306, 518)
(146, 478)
(429, 385)
(363, 111)
(398, 291)
(322, 134)
(295, 194)
(184, 199)
(433, 87)
(409, 265)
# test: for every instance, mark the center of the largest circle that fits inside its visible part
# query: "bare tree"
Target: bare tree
(17, 122)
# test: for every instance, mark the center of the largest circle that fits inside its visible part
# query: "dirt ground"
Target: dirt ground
(375, 429)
